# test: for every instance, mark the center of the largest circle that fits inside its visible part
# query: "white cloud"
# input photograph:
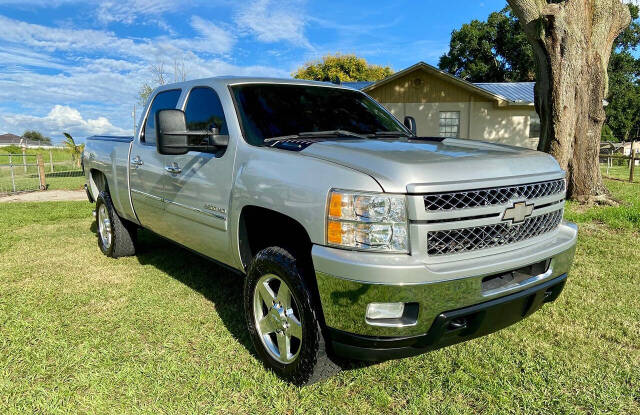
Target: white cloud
(210, 40)
(60, 119)
(274, 21)
(129, 11)
(53, 39)
(98, 72)
(38, 3)
(18, 56)
(213, 38)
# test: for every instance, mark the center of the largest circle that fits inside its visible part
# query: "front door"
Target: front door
(198, 185)
(148, 174)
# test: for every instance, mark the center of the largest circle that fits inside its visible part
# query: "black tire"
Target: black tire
(123, 233)
(312, 363)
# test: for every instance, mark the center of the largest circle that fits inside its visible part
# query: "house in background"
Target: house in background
(623, 148)
(608, 147)
(9, 139)
(626, 150)
(15, 140)
(446, 106)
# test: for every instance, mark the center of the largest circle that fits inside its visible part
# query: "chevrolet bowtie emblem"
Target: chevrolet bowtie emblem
(518, 212)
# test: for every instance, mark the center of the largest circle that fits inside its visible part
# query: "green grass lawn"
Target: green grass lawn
(620, 172)
(163, 332)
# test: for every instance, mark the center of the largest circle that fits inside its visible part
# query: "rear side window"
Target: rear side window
(204, 112)
(165, 100)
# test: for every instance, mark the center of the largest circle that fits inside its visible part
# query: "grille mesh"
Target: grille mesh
(494, 196)
(456, 241)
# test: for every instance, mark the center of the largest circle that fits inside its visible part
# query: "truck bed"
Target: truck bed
(110, 155)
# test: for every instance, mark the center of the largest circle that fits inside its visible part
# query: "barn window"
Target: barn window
(534, 126)
(450, 124)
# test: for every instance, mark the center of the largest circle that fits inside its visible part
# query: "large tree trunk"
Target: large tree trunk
(572, 40)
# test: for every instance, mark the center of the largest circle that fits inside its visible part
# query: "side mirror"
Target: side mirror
(410, 123)
(219, 140)
(171, 129)
(172, 136)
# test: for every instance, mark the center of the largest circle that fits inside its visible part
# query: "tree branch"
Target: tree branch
(528, 10)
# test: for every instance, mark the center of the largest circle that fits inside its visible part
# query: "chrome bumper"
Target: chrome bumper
(348, 281)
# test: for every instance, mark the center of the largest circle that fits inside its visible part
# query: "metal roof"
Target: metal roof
(9, 139)
(513, 91)
(517, 92)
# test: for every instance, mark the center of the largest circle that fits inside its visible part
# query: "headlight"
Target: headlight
(368, 221)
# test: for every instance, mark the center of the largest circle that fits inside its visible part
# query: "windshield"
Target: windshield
(277, 110)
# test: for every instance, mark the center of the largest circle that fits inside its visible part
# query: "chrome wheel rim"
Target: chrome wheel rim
(277, 318)
(104, 226)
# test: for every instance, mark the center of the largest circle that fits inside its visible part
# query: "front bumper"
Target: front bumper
(451, 327)
(348, 281)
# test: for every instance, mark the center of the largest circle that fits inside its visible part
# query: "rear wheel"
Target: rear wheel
(116, 236)
(282, 320)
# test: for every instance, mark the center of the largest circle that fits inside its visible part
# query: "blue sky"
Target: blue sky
(77, 66)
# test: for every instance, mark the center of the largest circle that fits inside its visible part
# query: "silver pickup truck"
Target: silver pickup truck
(357, 238)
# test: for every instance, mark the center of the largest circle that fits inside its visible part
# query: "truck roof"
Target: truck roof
(224, 81)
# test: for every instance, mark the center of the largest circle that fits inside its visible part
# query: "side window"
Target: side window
(204, 112)
(165, 100)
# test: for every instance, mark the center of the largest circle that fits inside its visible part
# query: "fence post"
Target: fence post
(632, 162)
(51, 160)
(24, 158)
(13, 180)
(43, 182)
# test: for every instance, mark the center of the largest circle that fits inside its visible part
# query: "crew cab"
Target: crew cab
(356, 238)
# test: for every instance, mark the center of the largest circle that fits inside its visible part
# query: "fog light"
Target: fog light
(379, 311)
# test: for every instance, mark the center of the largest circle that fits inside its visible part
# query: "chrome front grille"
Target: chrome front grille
(455, 241)
(491, 196)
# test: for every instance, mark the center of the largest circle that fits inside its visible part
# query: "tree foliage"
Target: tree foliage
(497, 50)
(75, 149)
(343, 68)
(33, 135)
(161, 76)
(493, 51)
(623, 111)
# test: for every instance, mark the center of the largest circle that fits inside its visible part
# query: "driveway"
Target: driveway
(46, 196)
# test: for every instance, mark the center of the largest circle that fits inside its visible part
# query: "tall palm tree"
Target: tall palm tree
(75, 149)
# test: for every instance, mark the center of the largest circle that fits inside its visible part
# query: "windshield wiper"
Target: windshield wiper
(317, 134)
(282, 138)
(332, 133)
(391, 134)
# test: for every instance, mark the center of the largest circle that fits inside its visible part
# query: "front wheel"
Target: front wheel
(282, 321)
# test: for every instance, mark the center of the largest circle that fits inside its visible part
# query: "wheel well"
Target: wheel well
(261, 228)
(97, 182)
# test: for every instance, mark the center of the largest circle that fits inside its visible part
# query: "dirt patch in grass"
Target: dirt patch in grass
(46, 196)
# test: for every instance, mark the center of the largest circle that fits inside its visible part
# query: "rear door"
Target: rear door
(147, 174)
(198, 191)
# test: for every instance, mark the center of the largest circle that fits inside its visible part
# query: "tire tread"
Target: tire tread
(315, 365)
(124, 233)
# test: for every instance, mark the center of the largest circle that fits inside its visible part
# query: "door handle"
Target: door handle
(136, 162)
(173, 169)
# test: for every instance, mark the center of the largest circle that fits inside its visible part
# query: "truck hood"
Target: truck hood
(401, 165)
